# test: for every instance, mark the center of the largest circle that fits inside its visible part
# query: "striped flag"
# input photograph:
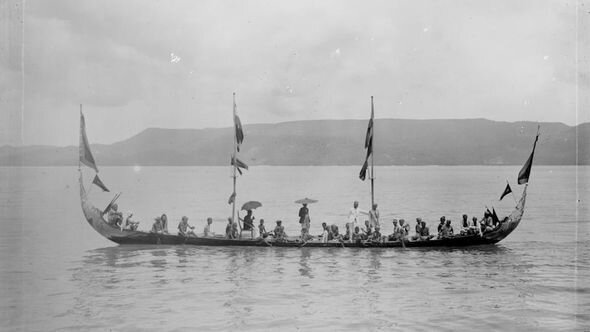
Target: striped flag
(238, 126)
(368, 144)
(86, 157)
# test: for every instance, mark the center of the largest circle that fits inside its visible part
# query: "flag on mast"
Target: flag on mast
(99, 183)
(238, 127)
(507, 191)
(239, 164)
(86, 157)
(232, 198)
(525, 172)
(368, 144)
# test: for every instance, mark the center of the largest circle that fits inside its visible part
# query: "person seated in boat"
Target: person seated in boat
(334, 233)
(325, 233)
(130, 224)
(469, 228)
(376, 236)
(184, 229)
(164, 219)
(157, 226)
(262, 229)
(207, 230)
(487, 223)
(441, 224)
(347, 232)
(114, 217)
(229, 229)
(394, 235)
(425, 232)
(248, 223)
(234, 230)
(357, 235)
(446, 230)
(404, 229)
(279, 231)
(465, 222)
(475, 228)
(418, 229)
(368, 230)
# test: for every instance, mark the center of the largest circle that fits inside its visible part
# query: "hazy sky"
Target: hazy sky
(175, 64)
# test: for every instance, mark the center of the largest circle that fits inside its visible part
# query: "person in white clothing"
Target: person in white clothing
(374, 216)
(325, 233)
(354, 216)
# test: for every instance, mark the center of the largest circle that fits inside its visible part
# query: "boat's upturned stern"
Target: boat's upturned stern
(506, 227)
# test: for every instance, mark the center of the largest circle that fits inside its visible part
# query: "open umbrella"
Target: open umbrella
(251, 205)
(306, 201)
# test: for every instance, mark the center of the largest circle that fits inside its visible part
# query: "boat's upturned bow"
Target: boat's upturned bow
(94, 216)
(510, 224)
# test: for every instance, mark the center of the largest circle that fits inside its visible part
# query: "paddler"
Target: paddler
(115, 217)
(184, 229)
(279, 231)
(157, 226)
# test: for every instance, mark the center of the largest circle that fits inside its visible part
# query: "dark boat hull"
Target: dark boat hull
(167, 239)
(95, 218)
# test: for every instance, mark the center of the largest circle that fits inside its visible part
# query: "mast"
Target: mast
(80, 144)
(233, 208)
(372, 157)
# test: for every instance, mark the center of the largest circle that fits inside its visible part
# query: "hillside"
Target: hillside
(332, 142)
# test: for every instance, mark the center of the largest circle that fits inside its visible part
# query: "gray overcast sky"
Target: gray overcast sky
(175, 64)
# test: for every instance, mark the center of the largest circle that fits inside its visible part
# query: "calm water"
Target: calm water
(56, 273)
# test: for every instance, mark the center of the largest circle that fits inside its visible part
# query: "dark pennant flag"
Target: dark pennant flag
(507, 191)
(238, 126)
(495, 216)
(368, 144)
(232, 198)
(99, 183)
(525, 172)
(86, 157)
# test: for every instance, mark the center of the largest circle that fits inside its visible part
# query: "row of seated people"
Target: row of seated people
(352, 233)
(330, 232)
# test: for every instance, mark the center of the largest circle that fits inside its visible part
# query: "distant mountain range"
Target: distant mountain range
(332, 142)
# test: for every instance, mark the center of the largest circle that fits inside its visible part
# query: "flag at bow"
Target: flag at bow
(99, 183)
(86, 157)
(239, 133)
(368, 144)
(525, 172)
(507, 191)
(495, 216)
(239, 164)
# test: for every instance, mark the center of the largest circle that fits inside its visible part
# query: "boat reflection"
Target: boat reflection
(304, 266)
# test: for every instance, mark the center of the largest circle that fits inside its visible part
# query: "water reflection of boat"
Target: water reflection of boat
(95, 217)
